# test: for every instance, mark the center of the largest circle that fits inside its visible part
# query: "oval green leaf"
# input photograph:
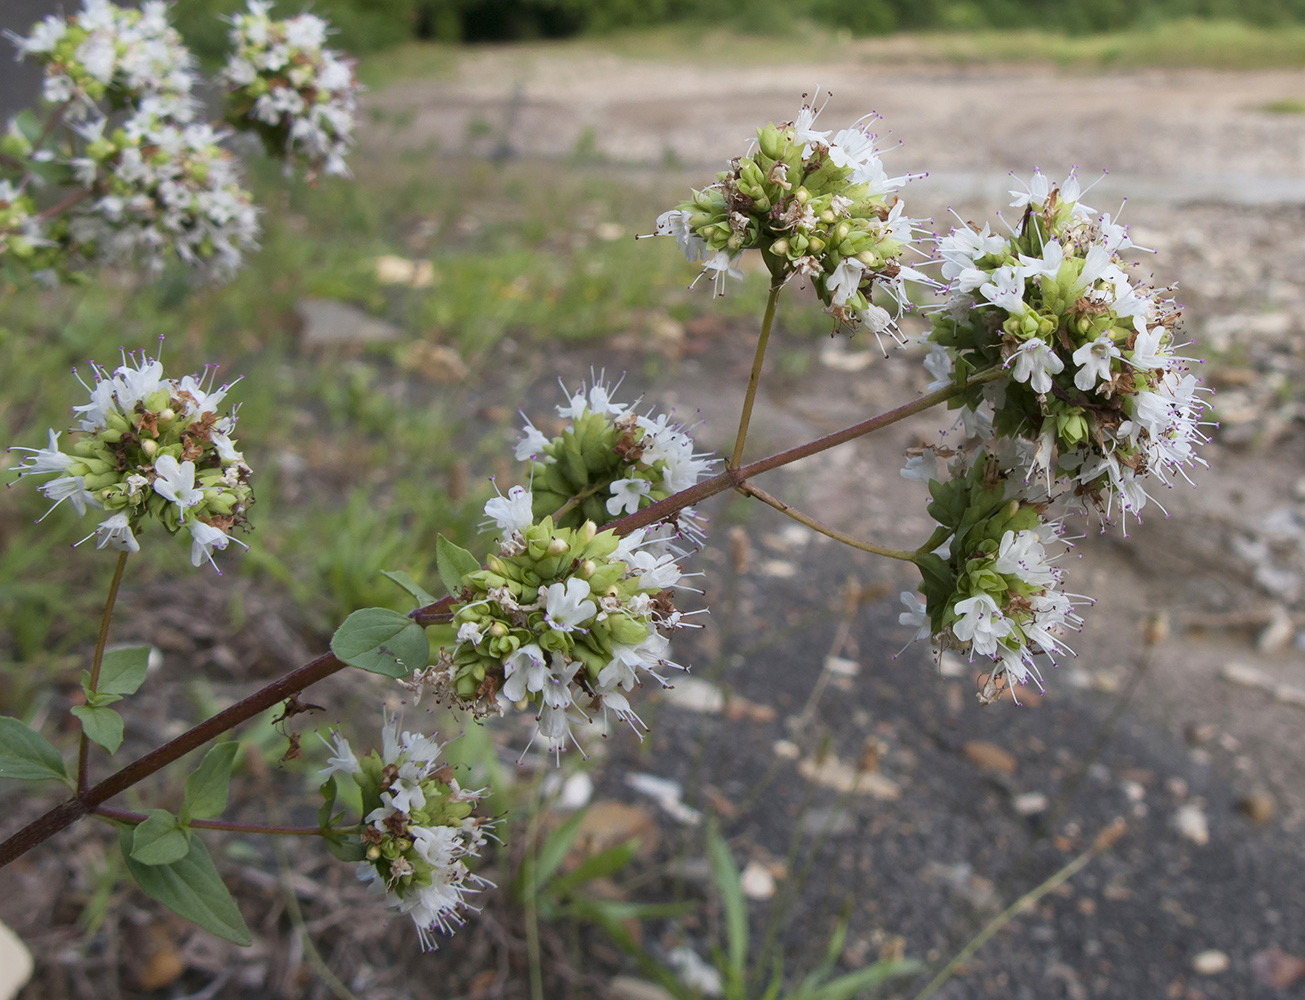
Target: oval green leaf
(158, 840)
(206, 789)
(102, 726)
(381, 641)
(25, 754)
(190, 888)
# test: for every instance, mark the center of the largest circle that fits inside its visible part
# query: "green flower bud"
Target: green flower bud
(149, 446)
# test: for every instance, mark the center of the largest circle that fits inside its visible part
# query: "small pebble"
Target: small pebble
(1257, 806)
(756, 882)
(1029, 803)
(1246, 676)
(1210, 962)
(1190, 821)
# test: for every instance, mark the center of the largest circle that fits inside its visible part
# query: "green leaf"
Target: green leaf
(28, 124)
(381, 641)
(328, 802)
(159, 839)
(122, 671)
(191, 888)
(346, 848)
(419, 593)
(25, 755)
(206, 789)
(101, 725)
(453, 563)
(726, 876)
(601, 865)
(854, 983)
(552, 853)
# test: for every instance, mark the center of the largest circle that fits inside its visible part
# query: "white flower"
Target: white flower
(115, 533)
(44, 460)
(1021, 554)
(523, 671)
(938, 363)
(567, 605)
(723, 264)
(513, 512)
(1148, 349)
(470, 632)
(676, 223)
(805, 133)
(1093, 360)
(915, 616)
(656, 572)
(981, 623)
(176, 482)
(1053, 255)
(1035, 362)
(1006, 289)
(531, 445)
(205, 540)
(843, 283)
(626, 494)
(70, 488)
(342, 761)
(965, 244)
(1035, 192)
(922, 467)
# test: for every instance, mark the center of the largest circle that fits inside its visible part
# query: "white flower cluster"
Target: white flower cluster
(817, 207)
(300, 95)
(564, 620)
(155, 182)
(619, 459)
(992, 591)
(116, 52)
(149, 446)
(157, 186)
(20, 228)
(1097, 397)
(419, 832)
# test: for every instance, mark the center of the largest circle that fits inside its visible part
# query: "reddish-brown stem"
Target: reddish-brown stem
(71, 810)
(732, 478)
(84, 744)
(126, 816)
(63, 206)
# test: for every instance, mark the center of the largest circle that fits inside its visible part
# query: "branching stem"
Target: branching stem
(87, 800)
(824, 529)
(126, 816)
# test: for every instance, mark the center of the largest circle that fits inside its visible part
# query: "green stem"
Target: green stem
(578, 499)
(754, 378)
(532, 893)
(83, 748)
(1103, 841)
(824, 529)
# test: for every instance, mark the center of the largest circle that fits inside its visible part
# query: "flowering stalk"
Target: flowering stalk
(83, 746)
(754, 377)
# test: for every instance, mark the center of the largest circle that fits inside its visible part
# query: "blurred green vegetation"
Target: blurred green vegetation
(369, 25)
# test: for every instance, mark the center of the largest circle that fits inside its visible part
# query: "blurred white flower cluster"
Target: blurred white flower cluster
(299, 96)
(117, 168)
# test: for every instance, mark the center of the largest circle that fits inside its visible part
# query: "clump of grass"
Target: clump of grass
(1286, 106)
